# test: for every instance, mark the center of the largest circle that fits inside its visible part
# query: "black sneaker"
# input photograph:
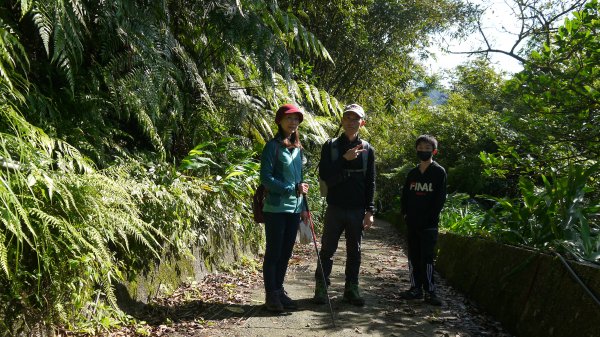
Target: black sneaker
(411, 294)
(432, 299)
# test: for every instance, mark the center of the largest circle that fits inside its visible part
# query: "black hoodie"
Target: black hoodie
(423, 196)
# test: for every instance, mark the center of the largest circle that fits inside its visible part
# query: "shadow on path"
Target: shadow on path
(384, 274)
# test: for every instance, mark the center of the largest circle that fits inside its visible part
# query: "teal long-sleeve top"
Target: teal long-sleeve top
(280, 172)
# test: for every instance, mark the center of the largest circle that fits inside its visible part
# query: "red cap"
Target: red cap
(287, 109)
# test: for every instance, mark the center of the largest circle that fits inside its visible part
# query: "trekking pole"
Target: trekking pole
(314, 236)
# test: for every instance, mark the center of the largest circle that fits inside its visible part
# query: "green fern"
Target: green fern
(13, 64)
(4, 255)
(59, 213)
(158, 78)
(62, 27)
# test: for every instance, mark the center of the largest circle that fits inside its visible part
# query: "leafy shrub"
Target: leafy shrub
(556, 215)
(229, 173)
(63, 225)
(69, 231)
(462, 215)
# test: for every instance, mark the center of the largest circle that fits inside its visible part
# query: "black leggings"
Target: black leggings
(280, 233)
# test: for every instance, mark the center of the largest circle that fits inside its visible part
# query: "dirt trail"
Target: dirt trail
(384, 273)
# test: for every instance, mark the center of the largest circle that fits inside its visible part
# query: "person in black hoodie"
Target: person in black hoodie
(423, 197)
(348, 168)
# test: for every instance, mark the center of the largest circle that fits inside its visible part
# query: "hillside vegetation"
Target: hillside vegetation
(130, 130)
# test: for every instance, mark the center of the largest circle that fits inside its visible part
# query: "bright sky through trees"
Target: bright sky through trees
(500, 26)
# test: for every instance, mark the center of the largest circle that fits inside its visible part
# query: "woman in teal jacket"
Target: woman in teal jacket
(281, 174)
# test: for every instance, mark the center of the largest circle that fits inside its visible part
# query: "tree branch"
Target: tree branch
(538, 21)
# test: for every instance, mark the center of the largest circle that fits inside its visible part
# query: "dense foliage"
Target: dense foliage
(99, 99)
(371, 43)
(548, 152)
(130, 131)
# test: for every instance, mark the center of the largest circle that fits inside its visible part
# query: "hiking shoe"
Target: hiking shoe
(320, 293)
(352, 295)
(411, 294)
(431, 298)
(272, 302)
(286, 301)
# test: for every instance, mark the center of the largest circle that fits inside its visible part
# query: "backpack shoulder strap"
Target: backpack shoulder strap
(335, 152)
(365, 158)
(277, 150)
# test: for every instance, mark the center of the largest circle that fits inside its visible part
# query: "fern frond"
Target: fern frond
(78, 11)
(192, 72)
(4, 255)
(107, 286)
(25, 6)
(62, 26)
(13, 64)
(42, 21)
(47, 219)
(316, 94)
(270, 19)
(73, 157)
(325, 102)
(95, 242)
(306, 90)
(146, 122)
(14, 213)
(300, 36)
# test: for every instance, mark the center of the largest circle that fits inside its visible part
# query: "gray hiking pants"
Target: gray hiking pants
(338, 220)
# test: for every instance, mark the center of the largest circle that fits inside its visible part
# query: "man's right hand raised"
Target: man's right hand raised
(352, 153)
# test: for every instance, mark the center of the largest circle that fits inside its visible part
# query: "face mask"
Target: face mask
(424, 155)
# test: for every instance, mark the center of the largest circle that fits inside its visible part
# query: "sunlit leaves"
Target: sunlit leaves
(13, 63)
(56, 208)
(559, 89)
(370, 41)
(552, 215)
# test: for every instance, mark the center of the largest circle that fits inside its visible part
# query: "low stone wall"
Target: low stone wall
(165, 277)
(530, 293)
